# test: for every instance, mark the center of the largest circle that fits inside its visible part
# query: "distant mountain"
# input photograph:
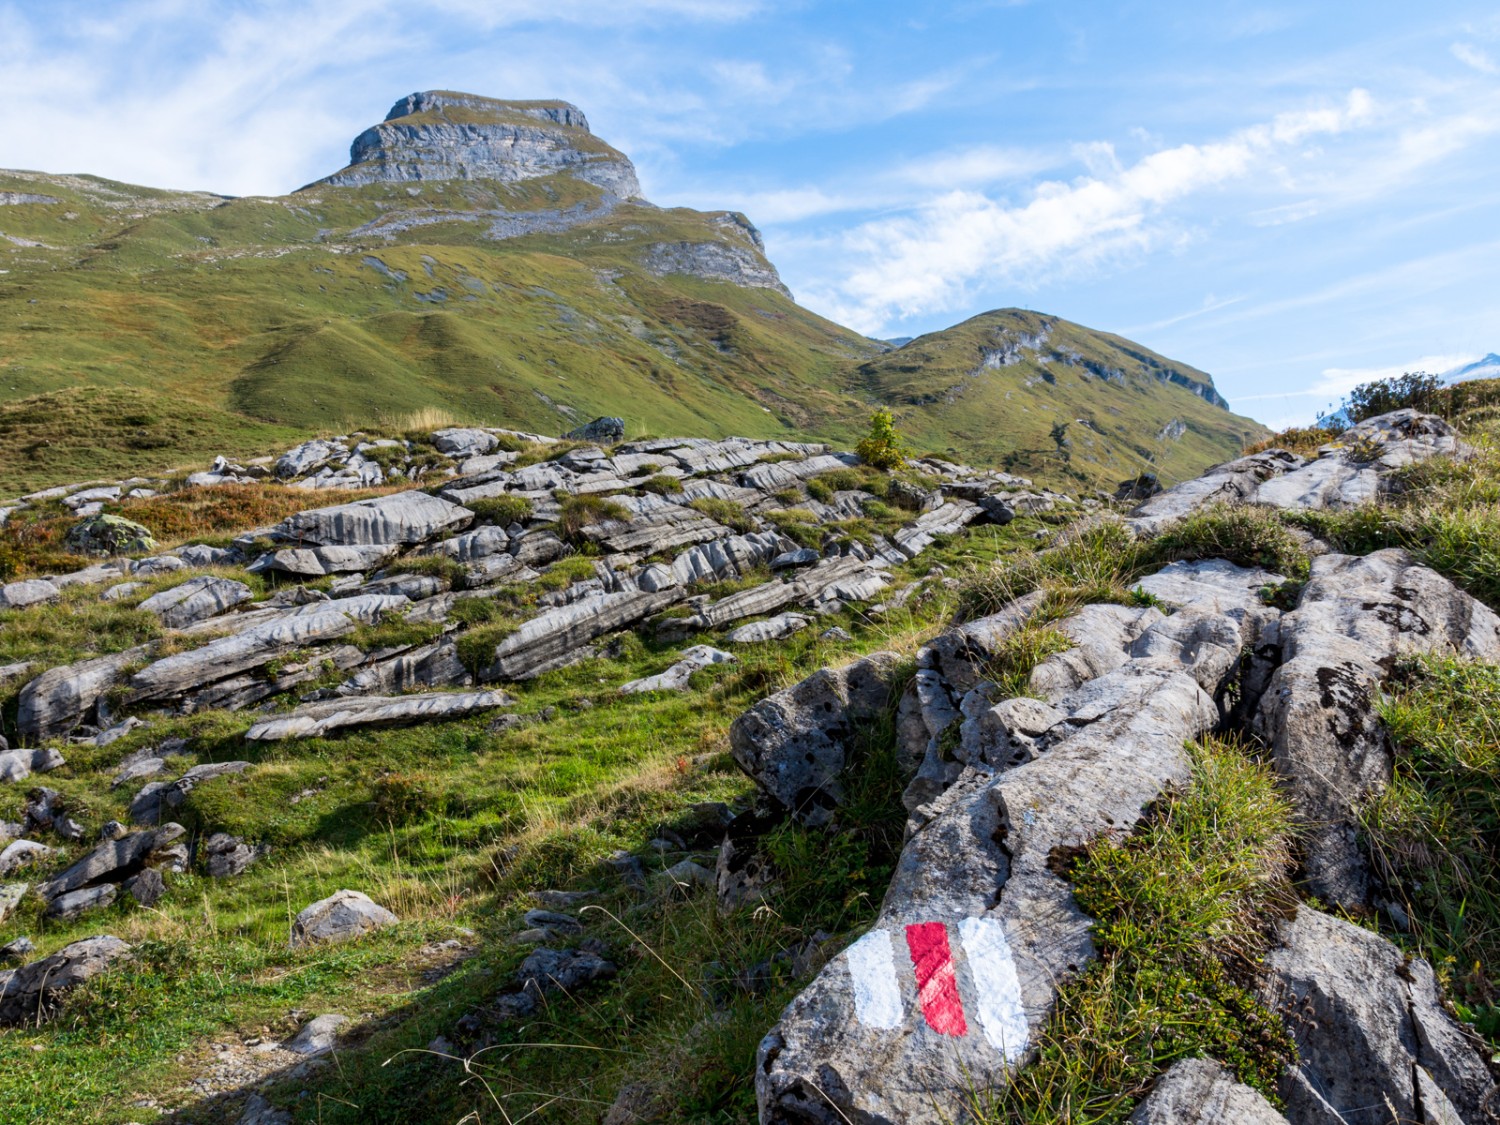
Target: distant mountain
(496, 260)
(1486, 368)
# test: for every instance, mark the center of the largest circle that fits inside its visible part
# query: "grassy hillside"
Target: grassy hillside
(142, 329)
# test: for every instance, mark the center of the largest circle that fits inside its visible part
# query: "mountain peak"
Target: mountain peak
(449, 135)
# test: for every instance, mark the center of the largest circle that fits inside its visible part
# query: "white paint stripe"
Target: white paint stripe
(872, 968)
(1001, 1013)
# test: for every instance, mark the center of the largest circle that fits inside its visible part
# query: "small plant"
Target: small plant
(1415, 389)
(502, 511)
(661, 484)
(726, 512)
(579, 512)
(883, 447)
(1245, 535)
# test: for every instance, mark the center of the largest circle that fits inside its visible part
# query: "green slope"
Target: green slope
(200, 325)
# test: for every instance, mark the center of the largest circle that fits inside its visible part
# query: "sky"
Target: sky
(1293, 197)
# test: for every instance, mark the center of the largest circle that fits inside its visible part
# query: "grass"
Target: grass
(725, 512)
(502, 511)
(579, 512)
(1183, 908)
(1432, 833)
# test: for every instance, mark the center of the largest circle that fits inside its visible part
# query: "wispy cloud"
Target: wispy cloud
(1470, 55)
(1335, 382)
(924, 262)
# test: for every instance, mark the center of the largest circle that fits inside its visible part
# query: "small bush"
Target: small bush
(661, 484)
(1098, 562)
(883, 447)
(820, 490)
(564, 572)
(1415, 389)
(1019, 654)
(726, 512)
(502, 511)
(442, 567)
(1245, 535)
(579, 512)
(400, 798)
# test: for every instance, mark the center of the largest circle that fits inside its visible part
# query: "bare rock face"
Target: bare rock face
(1201, 1092)
(1355, 618)
(60, 698)
(552, 638)
(1232, 482)
(400, 518)
(317, 720)
(1375, 1045)
(34, 991)
(977, 932)
(112, 861)
(796, 743)
(197, 599)
(439, 135)
(342, 916)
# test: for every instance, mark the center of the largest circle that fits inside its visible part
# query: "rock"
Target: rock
(73, 904)
(547, 971)
(259, 644)
(118, 731)
(147, 887)
(160, 564)
(605, 431)
(61, 698)
(1354, 619)
(655, 578)
(258, 1111)
(226, 855)
(122, 590)
(428, 666)
(11, 895)
(677, 676)
(316, 562)
(33, 992)
(17, 950)
(688, 875)
(29, 591)
(159, 798)
(306, 457)
(112, 861)
(22, 853)
(197, 599)
(317, 720)
(143, 763)
(1232, 482)
(951, 517)
(714, 261)
(549, 640)
(1137, 489)
(343, 916)
(18, 765)
(726, 558)
(836, 635)
(109, 535)
(461, 442)
(317, 1037)
(400, 518)
(772, 629)
(797, 744)
(977, 932)
(1202, 1092)
(802, 556)
(1372, 1033)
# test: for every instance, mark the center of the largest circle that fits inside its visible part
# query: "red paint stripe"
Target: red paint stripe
(937, 983)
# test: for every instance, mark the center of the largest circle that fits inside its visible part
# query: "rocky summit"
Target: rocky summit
(779, 786)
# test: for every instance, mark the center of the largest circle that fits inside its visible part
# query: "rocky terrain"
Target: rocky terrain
(495, 261)
(690, 779)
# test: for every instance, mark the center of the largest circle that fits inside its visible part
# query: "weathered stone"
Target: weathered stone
(29, 591)
(1232, 482)
(22, 853)
(74, 904)
(399, 518)
(461, 441)
(258, 1111)
(112, 861)
(18, 950)
(318, 720)
(197, 599)
(316, 562)
(428, 666)
(606, 431)
(677, 676)
(797, 744)
(11, 895)
(976, 882)
(1202, 1092)
(147, 887)
(342, 916)
(307, 457)
(951, 517)
(61, 698)
(1354, 619)
(18, 765)
(33, 992)
(226, 855)
(1371, 1030)
(317, 1037)
(550, 638)
(776, 628)
(260, 644)
(109, 535)
(726, 558)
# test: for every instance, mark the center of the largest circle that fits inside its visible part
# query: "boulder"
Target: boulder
(1374, 1043)
(109, 535)
(427, 666)
(18, 765)
(1355, 618)
(307, 457)
(977, 931)
(27, 592)
(951, 517)
(551, 639)
(33, 992)
(460, 441)
(677, 676)
(1202, 1092)
(400, 518)
(11, 895)
(797, 744)
(112, 861)
(74, 904)
(61, 698)
(1232, 482)
(226, 855)
(22, 853)
(197, 599)
(316, 562)
(318, 720)
(727, 558)
(605, 431)
(776, 628)
(342, 916)
(549, 971)
(317, 1037)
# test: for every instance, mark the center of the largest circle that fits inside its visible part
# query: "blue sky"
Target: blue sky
(1292, 197)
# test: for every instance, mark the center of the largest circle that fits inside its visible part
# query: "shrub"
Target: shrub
(1415, 389)
(883, 447)
(447, 569)
(1245, 535)
(502, 511)
(727, 512)
(1094, 563)
(579, 512)
(661, 484)
(820, 490)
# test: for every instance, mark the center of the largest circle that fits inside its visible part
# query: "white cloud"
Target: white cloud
(924, 262)
(1335, 382)
(1470, 55)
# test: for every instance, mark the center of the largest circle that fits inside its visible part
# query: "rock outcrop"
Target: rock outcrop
(33, 992)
